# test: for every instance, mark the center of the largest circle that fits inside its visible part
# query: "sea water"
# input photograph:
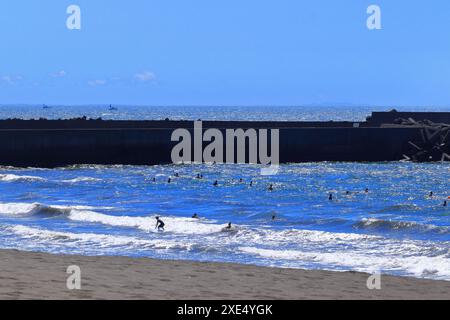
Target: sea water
(394, 228)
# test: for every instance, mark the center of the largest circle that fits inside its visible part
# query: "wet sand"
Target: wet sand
(29, 275)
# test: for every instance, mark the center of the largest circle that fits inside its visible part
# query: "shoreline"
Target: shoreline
(35, 275)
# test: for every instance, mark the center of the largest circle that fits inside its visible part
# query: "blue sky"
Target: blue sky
(233, 52)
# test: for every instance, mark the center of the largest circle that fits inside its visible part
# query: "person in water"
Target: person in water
(330, 197)
(445, 203)
(251, 183)
(270, 188)
(154, 179)
(367, 190)
(176, 174)
(216, 183)
(159, 224)
(195, 216)
(169, 180)
(431, 194)
(228, 227)
(273, 217)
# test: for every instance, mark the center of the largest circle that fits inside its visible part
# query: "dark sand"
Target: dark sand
(28, 275)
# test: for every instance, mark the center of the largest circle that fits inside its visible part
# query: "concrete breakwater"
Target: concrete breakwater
(52, 143)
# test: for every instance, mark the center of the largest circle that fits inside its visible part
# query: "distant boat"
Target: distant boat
(111, 108)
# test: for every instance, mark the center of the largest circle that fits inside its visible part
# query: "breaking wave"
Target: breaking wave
(82, 179)
(16, 178)
(99, 240)
(394, 225)
(418, 266)
(87, 214)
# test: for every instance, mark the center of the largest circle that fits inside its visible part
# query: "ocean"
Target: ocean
(394, 228)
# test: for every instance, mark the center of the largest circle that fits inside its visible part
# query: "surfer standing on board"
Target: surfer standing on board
(159, 224)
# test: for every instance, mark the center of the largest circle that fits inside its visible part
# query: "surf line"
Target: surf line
(237, 145)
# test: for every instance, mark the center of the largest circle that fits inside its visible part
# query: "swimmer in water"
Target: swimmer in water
(273, 217)
(431, 194)
(330, 197)
(240, 180)
(347, 193)
(445, 203)
(169, 180)
(159, 224)
(198, 176)
(216, 183)
(270, 188)
(251, 183)
(154, 179)
(367, 190)
(176, 174)
(195, 216)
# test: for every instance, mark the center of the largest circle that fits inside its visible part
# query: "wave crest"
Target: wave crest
(394, 225)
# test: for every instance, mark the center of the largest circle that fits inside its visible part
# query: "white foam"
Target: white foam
(99, 240)
(18, 208)
(172, 224)
(87, 214)
(28, 209)
(15, 178)
(418, 266)
(81, 179)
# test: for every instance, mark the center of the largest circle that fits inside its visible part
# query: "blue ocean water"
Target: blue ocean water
(395, 227)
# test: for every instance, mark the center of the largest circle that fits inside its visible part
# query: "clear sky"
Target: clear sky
(225, 52)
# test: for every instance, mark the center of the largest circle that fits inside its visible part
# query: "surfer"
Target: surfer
(431, 194)
(195, 216)
(240, 180)
(216, 183)
(159, 224)
(270, 188)
(273, 217)
(169, 180)
(228, 227)
(251, 183)
(330, 197)
(367, 190)
(154, 179)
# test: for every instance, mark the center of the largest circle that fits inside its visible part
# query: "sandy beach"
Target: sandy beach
(30, 275)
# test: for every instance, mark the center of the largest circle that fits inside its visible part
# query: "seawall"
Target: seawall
(53, 143)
